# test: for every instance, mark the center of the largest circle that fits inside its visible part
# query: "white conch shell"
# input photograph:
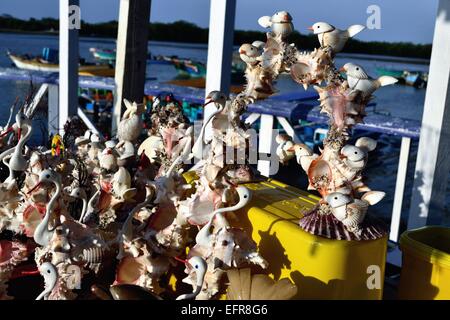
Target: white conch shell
(122, 184)
(107, 160)
(151, 146)
(373, 197)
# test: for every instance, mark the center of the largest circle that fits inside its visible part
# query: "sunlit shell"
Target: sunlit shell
(326, 225)
(151, 146)
(320, 175)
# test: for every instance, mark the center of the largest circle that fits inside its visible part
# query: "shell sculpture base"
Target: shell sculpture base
(328, 226)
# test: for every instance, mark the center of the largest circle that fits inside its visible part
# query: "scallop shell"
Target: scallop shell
(326, 225)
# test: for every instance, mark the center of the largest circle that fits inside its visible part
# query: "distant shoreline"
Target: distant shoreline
(185, 32)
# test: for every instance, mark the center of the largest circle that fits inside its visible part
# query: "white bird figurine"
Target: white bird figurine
(42, 234)
(351, 212)
(330, 36)
(107, 159)
(219, 99)
(280, 23)
(250, 54)
(356, 156)
(198, 264)
(203, 237)
(259, 45)
(50, 274)
(358, 79)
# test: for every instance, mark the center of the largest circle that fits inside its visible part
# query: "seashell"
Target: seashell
(132, 292)
(353, 153)
(151, 147)
(367, 144)
(337, 199)
(129, 129)
(111, 144)
(300, 73)
(373, 197)
(107, 160)
(328, 226)
(244, 286)
(320, 175)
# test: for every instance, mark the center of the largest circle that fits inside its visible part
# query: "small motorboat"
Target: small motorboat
(103, 54)
(390, 72)
(40, 64)
(189, 68)
(416, 79)
(109, 55)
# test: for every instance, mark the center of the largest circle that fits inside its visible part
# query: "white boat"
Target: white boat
(38, 64)
(34, 64)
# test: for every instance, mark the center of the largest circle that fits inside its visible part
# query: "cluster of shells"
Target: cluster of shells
(129, 210)
(336, 173)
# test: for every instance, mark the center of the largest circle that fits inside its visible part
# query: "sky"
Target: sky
(401, 20)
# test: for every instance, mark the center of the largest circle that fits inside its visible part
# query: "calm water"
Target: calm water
(398, 100)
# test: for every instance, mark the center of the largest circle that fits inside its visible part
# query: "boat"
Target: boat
(40, 64)
(103, 54)
(390, 72)
(416, 79)
(189, 68)
(109, 55)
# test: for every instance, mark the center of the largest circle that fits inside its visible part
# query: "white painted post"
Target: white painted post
(220, 50)
(267, 146)
(131, 54)
(399, 188)
(433, 162)
(69, 19)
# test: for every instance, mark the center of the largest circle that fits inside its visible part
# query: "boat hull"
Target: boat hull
(87, 70)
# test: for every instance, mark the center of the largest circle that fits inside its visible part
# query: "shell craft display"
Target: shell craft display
(123, 215)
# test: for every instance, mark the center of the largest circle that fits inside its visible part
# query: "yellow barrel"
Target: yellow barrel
(321, 268)
(425, 271)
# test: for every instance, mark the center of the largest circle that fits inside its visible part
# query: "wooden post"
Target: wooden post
(433, 163)
(69, 23)
(220, 50)
(53, 114)
(399, 189)
(131, 54)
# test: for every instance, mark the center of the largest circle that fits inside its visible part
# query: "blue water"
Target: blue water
(398, 100)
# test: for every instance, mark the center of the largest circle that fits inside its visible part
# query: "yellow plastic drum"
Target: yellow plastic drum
(425, 263)
(320, 267)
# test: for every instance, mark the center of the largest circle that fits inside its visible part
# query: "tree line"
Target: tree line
(182, 31)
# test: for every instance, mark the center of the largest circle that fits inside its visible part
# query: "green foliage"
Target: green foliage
(182, 31)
